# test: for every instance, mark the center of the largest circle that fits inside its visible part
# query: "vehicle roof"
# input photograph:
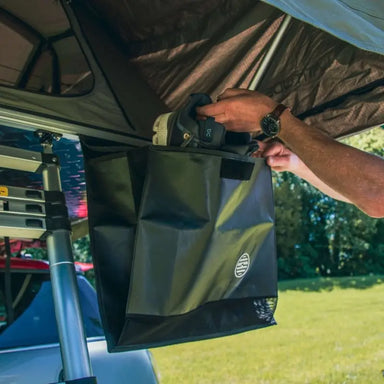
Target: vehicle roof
(18, 263)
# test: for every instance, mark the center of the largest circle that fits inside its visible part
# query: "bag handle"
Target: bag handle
(236, 169)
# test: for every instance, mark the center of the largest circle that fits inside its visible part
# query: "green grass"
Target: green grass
(329, 331)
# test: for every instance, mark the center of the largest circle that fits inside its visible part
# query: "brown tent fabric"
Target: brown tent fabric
(185, 47)
(149, 56)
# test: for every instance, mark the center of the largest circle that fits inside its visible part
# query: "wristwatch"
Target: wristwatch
(270, 124)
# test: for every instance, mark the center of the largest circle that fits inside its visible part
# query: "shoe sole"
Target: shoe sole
(160, 129)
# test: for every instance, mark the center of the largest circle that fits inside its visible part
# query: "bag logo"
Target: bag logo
(242, 265)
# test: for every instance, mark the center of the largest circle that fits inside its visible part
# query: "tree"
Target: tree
(293, 255)
(319, 235)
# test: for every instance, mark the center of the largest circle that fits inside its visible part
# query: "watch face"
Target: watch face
(270, 125)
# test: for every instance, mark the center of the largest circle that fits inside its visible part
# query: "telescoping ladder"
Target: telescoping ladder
(42, 214)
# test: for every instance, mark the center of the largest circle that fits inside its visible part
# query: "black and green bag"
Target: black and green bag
(183, 243)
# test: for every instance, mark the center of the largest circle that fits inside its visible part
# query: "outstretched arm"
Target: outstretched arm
(280, 159)
(354, 174)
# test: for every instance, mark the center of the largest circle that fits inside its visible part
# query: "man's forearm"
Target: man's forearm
(357, 175)
(307, 175)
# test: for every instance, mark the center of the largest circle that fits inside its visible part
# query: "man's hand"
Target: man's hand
(238, 110)
(279, 157)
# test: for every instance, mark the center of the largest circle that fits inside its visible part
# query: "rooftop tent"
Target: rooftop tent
(107, 69)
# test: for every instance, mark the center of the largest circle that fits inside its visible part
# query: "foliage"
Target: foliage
(289, 207)
(35, 253)
(81, 250)
(317, 235)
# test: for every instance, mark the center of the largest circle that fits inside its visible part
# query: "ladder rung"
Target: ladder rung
(35, 210)
(20, 159)
(21, 226)
(25, 194)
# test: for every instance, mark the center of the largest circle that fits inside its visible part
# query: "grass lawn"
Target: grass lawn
(329, 331)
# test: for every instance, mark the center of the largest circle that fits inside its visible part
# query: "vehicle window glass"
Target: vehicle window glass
(34, 317)
(24, 287)
(3, 314)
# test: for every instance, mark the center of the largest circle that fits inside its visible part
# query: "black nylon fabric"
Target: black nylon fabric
(167, 232)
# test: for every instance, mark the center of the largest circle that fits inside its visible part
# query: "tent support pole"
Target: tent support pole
(73, 345)
(268, 56)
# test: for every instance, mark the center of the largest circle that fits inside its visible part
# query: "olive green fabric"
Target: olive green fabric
(183, 249)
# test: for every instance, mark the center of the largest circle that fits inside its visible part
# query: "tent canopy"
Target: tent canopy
(107, 69)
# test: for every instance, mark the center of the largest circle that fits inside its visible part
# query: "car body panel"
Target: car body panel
(42, 365)
(29, 348)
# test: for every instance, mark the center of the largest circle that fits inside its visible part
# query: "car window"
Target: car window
(3, 316)
(34, 318)
(24, 287)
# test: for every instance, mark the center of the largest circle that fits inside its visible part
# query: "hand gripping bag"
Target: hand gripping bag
(183, 242)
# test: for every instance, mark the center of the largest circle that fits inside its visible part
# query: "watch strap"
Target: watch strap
(277, 112)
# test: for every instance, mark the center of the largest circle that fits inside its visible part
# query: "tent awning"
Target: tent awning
(360, 23)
